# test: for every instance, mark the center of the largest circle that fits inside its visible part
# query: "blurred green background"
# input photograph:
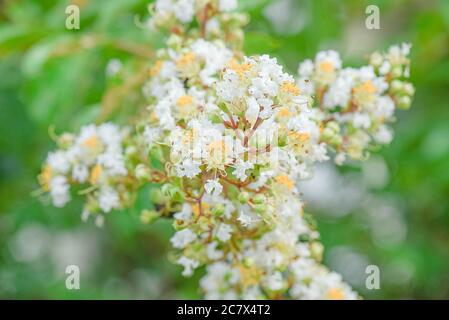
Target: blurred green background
(392, 211)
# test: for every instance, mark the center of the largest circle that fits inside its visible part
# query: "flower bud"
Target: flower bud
(404, 102)
(218, 210)
(143, 172)
(243, 197)
(260, 208)
(149, 216)
(396, 86)
(156, 196)
(259, 199)
(396, 72)
(317, 250)
(409, 89)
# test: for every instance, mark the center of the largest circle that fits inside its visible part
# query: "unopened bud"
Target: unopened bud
(243, 197)
(143, 172)
(259, 199)
(404, 102)
(149, 216)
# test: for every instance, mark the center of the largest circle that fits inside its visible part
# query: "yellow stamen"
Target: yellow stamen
(290, 87)
(299, 136)
(249, 275)
(186, 59)
(156, 69)
(153, 117)
(335, 294)
(240, 69)
(45, 177)
(91, 142)
(327, 66)
(95, 174)
(196, 208)
(285, 181)
(366, 87)
(184, 101)
(284, 112)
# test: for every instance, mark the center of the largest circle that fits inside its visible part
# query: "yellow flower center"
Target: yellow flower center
(365, 88)
(153, 117)
(249, 275)
(196, 208)
(156, 69)
(290, 87)
(95, 174)
(327, 66)
(184, 101)
(240, 69)
(285, 181)
(300, 137)
(45, 177)
(92, 142)
(335, 294)
(185, 60)
(217, 146)
(284, 112)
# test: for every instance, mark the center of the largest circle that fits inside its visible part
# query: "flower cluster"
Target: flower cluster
(94, 160)
(224, 140)
(358, 103)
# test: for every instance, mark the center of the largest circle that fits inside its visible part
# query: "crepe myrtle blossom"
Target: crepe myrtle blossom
(359, 103)
(222, 143)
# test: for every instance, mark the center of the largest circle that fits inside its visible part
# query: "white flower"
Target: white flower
(113, 163)
(182, 238)
(59, 162)
(361, 121)
(245, 219)
(212, 252)
(59, 191)
(275, 281)
(253, 110)
(188, 168)
(305, 69)
(224, 232)
(383, 135)
(189, 265)
(240, 169)
(185, 214)
(227, 5)
(108, 199)
(80, 173)
(185, 10)
(213, 187)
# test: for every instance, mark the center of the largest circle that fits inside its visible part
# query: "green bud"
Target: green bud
(243, 197)
(396, 86)
(333, 126)
(304, 238)
(218, 210)
(396, 72)
(143, 172)
(156, 196)
(259, 199)
(282, 140)
(327, 134)
(174, 193)
(409, 89)
(203, 223)
(404, 102)
(260, 208)
(149, 216)
(131, 151)
(317, 250)
(336, 140)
